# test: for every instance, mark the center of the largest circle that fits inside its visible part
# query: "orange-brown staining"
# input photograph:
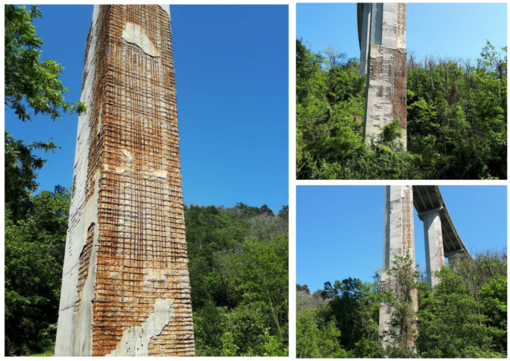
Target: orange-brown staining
(408, 236)
(399, 79)
(407, 223)
(141, 244)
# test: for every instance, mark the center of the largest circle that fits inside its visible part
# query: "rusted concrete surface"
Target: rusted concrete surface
(398, 241)
(125, 288)
(382, 35)
(386, 90)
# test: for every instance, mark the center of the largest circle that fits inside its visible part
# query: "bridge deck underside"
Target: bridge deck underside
(427, 198)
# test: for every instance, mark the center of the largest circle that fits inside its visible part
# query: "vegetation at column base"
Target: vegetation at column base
(463, 316)
(456, 120)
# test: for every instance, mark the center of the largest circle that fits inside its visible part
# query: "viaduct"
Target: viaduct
(383, 59)
(441, 238)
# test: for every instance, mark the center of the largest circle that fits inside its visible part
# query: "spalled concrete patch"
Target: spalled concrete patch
(135, 34)
(135, 340)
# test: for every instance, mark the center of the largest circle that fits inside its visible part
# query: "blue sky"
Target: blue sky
(232, 97)
(457, 30)
(340, 228)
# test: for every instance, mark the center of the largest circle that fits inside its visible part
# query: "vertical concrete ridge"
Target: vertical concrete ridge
(365, 15)
(71, 339)
(167, 10)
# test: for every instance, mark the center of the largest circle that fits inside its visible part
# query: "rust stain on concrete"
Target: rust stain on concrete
(133, 169)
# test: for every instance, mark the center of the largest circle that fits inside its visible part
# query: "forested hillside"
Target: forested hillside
(464, 316)
(238, 267)
(239, 280)
(456, 120)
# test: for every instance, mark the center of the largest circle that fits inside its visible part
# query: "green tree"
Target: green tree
(356, 310)
(27, 79)
(35, 225)
(402, 332)
(316, 338)
(239, 279)
(21, 167)
(34, 255)
(465, 315)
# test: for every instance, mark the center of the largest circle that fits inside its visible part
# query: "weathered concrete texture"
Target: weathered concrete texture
(398, 241)
(125, 287)
(136, 339)
(434, 249)
(383, 58)
(73, 335)
(386, 91)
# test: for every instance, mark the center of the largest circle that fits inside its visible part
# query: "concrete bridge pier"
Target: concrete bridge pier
(441, 239)
(434, 249)
(383, 58)
(398, 241)
(125, 281)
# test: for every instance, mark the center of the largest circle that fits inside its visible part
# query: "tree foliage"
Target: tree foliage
(465, 315)
(316, 337)
(21, 167)
(239, 279)
(402, 331)
(28, 81)
(239, 282)
(456, 120)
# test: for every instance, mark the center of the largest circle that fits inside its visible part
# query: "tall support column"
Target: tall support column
(384, 60)
(398, 241)
(434, 250)
(125, 282)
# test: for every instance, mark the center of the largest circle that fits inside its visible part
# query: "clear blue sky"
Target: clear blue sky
(340, 228)
(231, 67)
(456, 30)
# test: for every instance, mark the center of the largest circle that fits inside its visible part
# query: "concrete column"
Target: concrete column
(384, 60)
(125, 282)
(398, 241)
(434, 250)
